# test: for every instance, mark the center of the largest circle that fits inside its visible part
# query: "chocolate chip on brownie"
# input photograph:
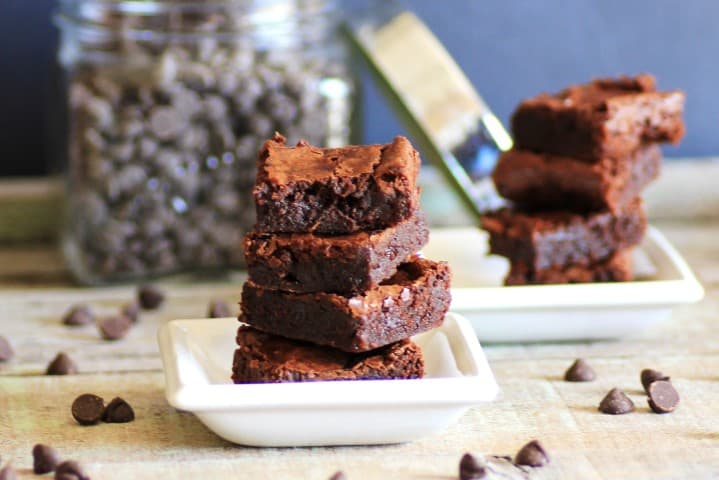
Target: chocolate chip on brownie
(649, 375)
(580, 371)
(70, 470)
(8, 473)
(62, 364)
(131, 311)
(532, 455)
(78, 315)
(44, 459)
(118, 411)
(114, 327)
(218, 309)
(616, 402)
(150, 297)
(87, 409)
(471, 468)
(663, 397)
(338, 475)
(6, 351)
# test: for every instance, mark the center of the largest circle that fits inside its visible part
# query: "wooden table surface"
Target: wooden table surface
(534, 402)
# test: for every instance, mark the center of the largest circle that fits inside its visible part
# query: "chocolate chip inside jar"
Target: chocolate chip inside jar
(163, 140)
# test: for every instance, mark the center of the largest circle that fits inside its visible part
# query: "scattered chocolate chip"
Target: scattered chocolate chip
(338, 475)
(471, 468)
(150, 297)
(131, 311)
(6, 351)
(663, 397)
(87, 409)
(118, 411)
(218, 309)
(61, 365)
(78, 315)
(44, 459)
(580, 371)
(8, 473)
(532, 455)
(70, 469)
(114, 327)
(648, 376)
(616, 403)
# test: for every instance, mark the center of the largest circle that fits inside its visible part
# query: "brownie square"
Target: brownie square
(265, 358)
(306, 262)
(413, 300)
(549, 181)
(616, 268)
(543, 240)
(606, 117)
(307, 189)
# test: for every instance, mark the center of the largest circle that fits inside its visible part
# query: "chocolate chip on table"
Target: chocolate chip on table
(118, 411)
(150, 297)
(87, 409)
(532, 455)
(663, 397)
(131, 311)
(649, 375)
(6, 351)
(114, 327)
(471, 468)
(579, 371)
(616, 402)
(70, 470)
(338, 475)
(44, 459)
(218, 309)
(78, 315)
(62, 364)
(8, 473)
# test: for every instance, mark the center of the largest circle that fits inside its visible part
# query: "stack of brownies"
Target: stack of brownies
(580, 161)
(335, 287)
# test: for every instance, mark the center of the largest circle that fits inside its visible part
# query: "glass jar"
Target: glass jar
(168, 103)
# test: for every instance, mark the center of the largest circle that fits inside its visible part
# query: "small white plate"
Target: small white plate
(561, 312)
(197, 355)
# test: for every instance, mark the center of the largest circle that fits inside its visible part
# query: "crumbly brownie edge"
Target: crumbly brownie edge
(617, 268)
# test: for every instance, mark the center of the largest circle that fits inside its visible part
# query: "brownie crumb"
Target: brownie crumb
(663, 397)
(580, 371)
(87, 409)
(62, 364)
(70, 470)
(532, 455)
(78, 315)
(44, 459)
(648, 376)
(218, 309)
(6, 351)
(471, 468)
(338, 475)
(114, 327)
(150, 297)
(131, 311)
(8, 473)
(616, 402)
(118, 411)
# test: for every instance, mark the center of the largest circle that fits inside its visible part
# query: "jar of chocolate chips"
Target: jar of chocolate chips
(168, 103)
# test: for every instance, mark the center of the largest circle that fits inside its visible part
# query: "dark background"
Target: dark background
(510, 49)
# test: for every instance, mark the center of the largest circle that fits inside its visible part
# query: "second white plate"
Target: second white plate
(561, 312)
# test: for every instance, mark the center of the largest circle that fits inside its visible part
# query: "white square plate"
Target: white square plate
(197, 356)
(561, 312)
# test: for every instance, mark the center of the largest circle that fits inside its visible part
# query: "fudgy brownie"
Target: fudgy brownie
(306, 262)
(413, 300)
(606, 117)
(545, 181)
(265, 358)
(307, 189)
(551, 239)
(616, 268)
